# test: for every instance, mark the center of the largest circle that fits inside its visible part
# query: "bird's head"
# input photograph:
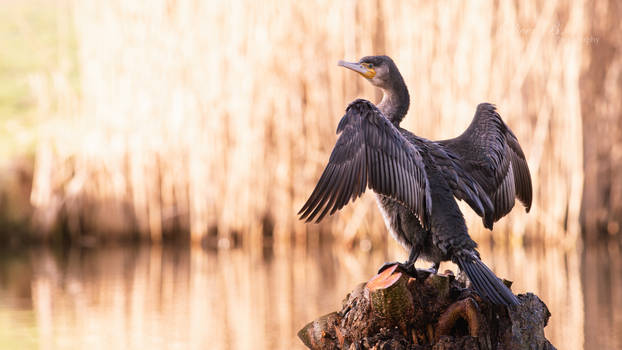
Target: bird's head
(382, 72)
(379, 70)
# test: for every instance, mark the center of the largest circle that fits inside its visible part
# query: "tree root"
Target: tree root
(433, 311)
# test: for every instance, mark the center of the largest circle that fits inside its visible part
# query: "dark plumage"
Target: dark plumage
(416, 180)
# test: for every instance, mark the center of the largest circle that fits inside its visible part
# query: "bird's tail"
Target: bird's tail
(485, 282)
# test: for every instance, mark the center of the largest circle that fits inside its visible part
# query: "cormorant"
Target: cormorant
(416, 180)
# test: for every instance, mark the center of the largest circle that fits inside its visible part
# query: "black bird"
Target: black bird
(416, 180)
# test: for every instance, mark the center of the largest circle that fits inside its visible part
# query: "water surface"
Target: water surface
(172, 297)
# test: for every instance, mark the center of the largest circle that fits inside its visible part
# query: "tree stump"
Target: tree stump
(432, 311)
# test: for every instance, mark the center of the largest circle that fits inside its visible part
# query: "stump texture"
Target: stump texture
(435, 312)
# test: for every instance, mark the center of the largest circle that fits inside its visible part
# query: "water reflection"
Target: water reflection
(178, 298)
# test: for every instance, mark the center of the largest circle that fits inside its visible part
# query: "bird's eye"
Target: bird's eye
(370, 65)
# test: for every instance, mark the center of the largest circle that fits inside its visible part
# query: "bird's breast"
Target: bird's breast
(392, 211)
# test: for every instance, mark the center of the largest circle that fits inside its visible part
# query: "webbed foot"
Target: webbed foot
(424, 273)
(406, 267)
(434, 268)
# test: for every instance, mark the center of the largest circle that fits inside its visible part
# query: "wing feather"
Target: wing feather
(490, 154)
(370, 152)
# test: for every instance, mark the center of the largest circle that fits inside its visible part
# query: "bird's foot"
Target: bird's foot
(425, 273)
(406, 267)
(410, 269)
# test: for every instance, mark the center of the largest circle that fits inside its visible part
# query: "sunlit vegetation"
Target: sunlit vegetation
(37, 64)
(213, 120)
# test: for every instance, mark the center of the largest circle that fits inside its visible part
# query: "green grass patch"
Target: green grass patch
(37, 39)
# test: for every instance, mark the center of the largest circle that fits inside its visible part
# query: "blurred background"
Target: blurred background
(154, 155)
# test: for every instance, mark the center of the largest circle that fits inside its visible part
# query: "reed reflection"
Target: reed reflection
(178, 297)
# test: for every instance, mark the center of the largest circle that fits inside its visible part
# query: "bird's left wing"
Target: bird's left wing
(370, 152)
(489, 152)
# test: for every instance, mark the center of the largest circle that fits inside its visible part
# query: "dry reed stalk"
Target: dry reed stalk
(601, 83)
(222, 114)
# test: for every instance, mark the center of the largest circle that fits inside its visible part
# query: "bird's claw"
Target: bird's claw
(432, 270)
(410, 269)
(406, 267)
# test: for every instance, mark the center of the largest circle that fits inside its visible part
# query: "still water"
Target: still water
(172, 297)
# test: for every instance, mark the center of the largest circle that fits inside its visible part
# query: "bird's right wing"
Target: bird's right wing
(370, 152)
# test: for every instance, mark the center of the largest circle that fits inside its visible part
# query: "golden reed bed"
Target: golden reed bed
(218, 116)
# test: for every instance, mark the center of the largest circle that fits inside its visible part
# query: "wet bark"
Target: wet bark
(436, 312)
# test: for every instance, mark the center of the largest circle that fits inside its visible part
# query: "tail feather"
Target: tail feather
(485, 281)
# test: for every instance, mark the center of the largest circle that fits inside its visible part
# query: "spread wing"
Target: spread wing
(370, 152)
(463, 186)
(489, 152)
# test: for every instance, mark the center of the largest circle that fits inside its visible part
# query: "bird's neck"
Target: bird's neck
(395, 101)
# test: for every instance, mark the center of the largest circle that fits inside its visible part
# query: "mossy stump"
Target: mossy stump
(432, 311)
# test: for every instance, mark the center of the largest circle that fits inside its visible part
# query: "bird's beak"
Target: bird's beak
(359, 68)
